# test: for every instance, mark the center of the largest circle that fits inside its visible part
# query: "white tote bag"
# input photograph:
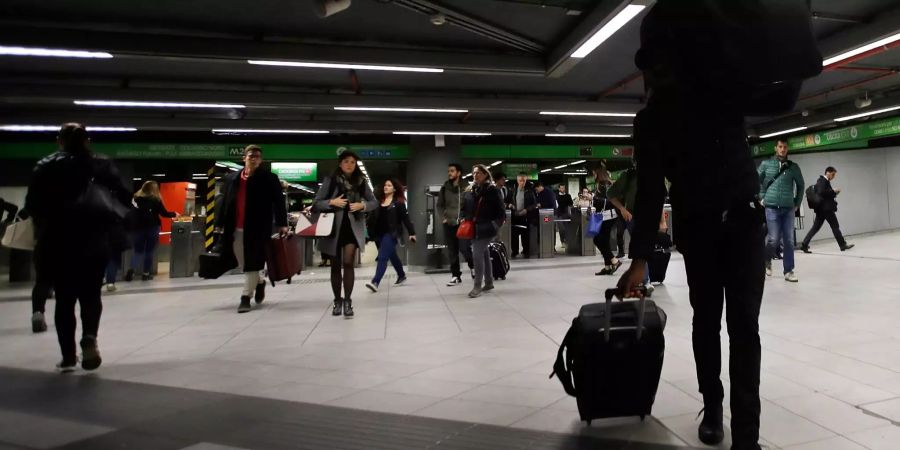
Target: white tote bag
(19, 235)
(313, 227)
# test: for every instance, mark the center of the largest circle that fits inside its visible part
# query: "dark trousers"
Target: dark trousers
(387, 252)
(603, 240)
(621, 226)
(821, 218)
(80, 285)
(144, 243)
(43, 286)
(725, 262)
(454, 247)
(521, 229)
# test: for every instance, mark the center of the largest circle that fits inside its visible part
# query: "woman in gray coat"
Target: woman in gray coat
(346, 193)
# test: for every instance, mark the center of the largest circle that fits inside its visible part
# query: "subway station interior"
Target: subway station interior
(544, 90)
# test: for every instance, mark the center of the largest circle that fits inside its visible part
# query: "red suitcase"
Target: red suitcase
(283, 258)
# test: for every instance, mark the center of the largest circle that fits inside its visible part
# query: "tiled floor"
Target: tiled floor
(831, 349)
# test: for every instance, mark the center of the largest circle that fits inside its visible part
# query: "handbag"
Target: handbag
(594, 224)
(98, 203)
(316, 225)
(19, 235)
(466, 228)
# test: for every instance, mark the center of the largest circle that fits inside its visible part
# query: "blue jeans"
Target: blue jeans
(780, 222)
(144, 243)
(387, 251)
(630, 226)
(112, 267)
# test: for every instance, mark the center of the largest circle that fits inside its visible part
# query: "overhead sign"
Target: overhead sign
(296, 171)
(513, 170)
(839, 138)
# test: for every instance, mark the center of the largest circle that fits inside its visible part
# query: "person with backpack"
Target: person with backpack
(73, 254)
(707, 65)
(385, 225)
(781, 191)
(822, 199)
(145, 225)
(485, 210)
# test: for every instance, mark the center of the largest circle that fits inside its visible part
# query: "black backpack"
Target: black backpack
(812, 198)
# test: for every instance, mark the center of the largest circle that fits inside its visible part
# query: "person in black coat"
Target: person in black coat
(73, 183)
(145, 226)
(386, 228)
(522, 200)
(252, 201)
(826, 211)
(483, 206)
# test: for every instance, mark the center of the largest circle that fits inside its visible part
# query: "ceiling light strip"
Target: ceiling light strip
(444, 133)
(778, 133)
(593, 114)
(867, 113)
(316, 65)
(417, 110)
(588, 135)
(52, 52)
(265, 131)
(141, 104)
(860, 50)
(608, 30)
(55, 128)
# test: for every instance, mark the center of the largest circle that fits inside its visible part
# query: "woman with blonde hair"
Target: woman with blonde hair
(146, 225)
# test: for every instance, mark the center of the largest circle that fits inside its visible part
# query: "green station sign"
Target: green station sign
(536, 152)
(296, 171)
(513, 170)
(856, 136)
(281, 152)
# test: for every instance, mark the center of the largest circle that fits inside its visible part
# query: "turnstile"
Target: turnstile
(580, 244)
(546, 231)
(182, 260)
(504, 234)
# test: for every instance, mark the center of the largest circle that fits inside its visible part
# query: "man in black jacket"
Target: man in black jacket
(563, 203)
(826, 211)
(524, 205)
(252, 200)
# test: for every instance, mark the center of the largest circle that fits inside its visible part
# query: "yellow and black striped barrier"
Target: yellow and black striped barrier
(210, 207)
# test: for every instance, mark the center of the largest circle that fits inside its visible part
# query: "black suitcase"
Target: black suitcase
(612, 357)
(213, 264)
(499, 260)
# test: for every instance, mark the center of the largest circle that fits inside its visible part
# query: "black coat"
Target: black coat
(264, 207)
(398, 217)
(490, 214)
(148, 211)
(563, 203)
(827, 196)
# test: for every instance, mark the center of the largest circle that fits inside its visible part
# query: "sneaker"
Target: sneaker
(111, 287)
(400, 281)
(372, 286)
(129, 275)
(455, 281)
(487, 288)
(649, 289)
(90, 354)
(245, 304)
(260, 293)
(475, 292)
(848, 247)
(769, 268)
(791, 277)
(38, 324)
(66, 367)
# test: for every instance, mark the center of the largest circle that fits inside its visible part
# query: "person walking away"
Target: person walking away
(622, 195)
(563, 214)
(386, 226)
(523, 202)
(781, 191)
(252, 200)
(603, 206)
(146, 225)
(346, 193)
(449, 208)
(73, 182)
(826, 211)
(698, 85)
(118, 243)
(484, 206)
(546, 200)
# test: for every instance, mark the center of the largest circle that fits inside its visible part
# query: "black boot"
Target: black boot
(348, 307)
(260, 293)
(338, 304)
(245, 304)
(129, 275)
(90, 354)
(711, 431)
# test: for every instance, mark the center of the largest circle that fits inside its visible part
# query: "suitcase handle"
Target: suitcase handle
(607, 327)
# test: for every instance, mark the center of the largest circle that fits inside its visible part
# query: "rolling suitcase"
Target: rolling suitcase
(282, 258)
(499, 260)
(213, 264)
(659, 261)
(612, 357)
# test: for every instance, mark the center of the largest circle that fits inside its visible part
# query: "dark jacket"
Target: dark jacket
(264, 206)
(563, 203)
(450, 200)
(64, 235)
(148, 211)
(398, 217)
(530, 203)
(827, 196)
(546, 199)
(601, 202)
(490, 213)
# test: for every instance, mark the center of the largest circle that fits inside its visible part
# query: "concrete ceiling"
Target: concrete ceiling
(504, 60)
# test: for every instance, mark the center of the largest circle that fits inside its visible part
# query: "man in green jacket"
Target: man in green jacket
(781, 191)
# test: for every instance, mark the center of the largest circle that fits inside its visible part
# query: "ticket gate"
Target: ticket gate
(579, 243)
(546, 231)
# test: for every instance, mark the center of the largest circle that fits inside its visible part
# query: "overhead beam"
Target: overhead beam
(884, 25)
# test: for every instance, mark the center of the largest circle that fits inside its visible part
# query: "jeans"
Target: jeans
(387, 251)
(602, 240)
(454, 247)
(821, 218)
(725, 263)
(780, 222)
(112, 267)
(81, 284)
(144, 243)
(484, 271)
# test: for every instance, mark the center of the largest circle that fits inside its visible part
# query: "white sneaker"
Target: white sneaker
(769, 269)
(111, 287)
(791, 277)
(455, 281)
(372, 286)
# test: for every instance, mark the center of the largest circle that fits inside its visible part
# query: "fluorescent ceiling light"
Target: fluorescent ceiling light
(589, 135)
(578, 162)
(55, 128)
(546, 170)
(131, 104)
(560, 167)
(316, 65)
(199, 174)
(422, 110)
(860, 50)
(265, 131)
(783, 132)
(496, 163)
(445, 133)
(51, 52)
(868, 113)
(158, 175)
(608, 30)
(575, 173)
(136, 179)
(596, 114)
